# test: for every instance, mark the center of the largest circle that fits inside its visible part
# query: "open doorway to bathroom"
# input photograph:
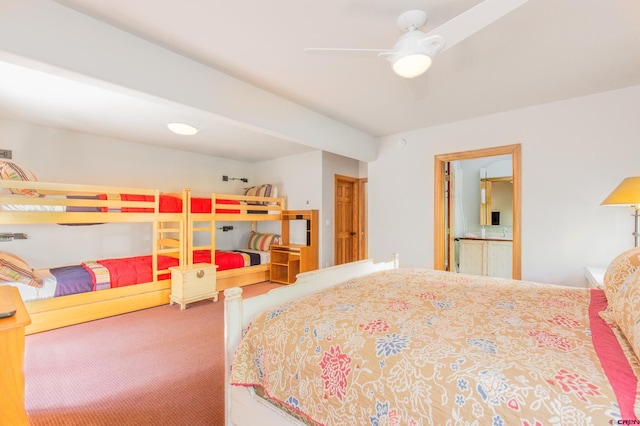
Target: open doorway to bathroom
(479, 233)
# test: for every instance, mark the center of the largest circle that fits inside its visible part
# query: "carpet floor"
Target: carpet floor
(158, 366)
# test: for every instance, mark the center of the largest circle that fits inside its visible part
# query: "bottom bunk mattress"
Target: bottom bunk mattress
(95, 275)
(430, 347)
(240, 258)
(120, 272)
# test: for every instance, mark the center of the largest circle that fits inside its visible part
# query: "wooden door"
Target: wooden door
(346, 219)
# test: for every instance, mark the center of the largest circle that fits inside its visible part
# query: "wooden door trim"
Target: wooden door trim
(362, 220)
(439, 231)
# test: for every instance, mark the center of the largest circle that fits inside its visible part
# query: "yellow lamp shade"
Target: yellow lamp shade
(626, 194)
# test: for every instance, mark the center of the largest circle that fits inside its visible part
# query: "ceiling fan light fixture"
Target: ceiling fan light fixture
(411, 65)
(182, 129)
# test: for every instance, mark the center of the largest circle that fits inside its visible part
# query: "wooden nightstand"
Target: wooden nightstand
(12, 361)
(595, 276)
(285, 263)
(193, 283)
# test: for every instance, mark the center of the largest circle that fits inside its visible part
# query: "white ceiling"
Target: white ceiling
(544, 51)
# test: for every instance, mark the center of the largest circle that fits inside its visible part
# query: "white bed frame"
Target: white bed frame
(242, 405)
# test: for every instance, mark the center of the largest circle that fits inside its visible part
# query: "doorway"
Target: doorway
(350, 219)
(444, 207)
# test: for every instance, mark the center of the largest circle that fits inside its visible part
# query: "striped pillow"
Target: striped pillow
(14, 269)
(11, 171)
(262, 242)
(266, 190)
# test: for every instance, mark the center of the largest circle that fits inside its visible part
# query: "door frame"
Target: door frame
(440, 234)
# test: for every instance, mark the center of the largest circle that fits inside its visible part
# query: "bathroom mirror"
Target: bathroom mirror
(496, 205)
(496, 194)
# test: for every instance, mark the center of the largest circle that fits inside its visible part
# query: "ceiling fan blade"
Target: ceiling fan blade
(345, 52)
(473, 20)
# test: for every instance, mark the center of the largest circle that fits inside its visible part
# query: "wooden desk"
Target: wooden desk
(12, 407)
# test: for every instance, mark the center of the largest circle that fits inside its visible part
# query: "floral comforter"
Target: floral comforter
(421, 347)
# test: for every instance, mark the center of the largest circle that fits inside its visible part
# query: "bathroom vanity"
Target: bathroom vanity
(486, 256)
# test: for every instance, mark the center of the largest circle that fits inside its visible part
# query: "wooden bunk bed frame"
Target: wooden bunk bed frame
(47, 314)
(199, 222)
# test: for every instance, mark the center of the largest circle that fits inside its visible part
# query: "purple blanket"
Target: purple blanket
(72, 279)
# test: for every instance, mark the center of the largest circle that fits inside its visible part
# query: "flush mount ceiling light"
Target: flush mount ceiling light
(182, 129)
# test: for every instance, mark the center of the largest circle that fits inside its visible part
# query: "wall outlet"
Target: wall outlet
(225, 178)
(5, 153)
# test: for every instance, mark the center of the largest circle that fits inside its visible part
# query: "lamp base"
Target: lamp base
(636, 234)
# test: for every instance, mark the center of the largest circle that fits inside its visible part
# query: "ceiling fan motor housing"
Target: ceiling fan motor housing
(412, 20)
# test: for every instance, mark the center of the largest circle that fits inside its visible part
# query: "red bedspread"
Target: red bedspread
(203, 205)
(136, 270)
(167, 204)
(170, 204)
(229, 260)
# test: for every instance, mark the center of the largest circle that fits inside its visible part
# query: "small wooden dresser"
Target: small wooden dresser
(12, 409)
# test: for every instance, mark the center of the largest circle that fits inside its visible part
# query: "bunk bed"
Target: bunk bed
(253, 206)
(369, 342)
(25, 201)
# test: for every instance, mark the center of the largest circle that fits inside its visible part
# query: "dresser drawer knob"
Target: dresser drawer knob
(200, 273)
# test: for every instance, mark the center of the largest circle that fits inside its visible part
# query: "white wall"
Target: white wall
(332, 165)
(574, 153)
(61, 156)
(307, 180)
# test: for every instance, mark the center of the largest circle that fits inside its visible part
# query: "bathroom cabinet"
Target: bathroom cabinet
(490, 257)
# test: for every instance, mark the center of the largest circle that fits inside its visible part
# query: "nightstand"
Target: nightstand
(193, 283)
(12, 364)
(285, 262)
(595, 276)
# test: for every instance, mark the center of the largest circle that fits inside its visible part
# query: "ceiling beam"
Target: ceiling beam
(50, 35)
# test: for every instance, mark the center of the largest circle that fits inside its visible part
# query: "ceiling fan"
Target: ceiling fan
(414, 51)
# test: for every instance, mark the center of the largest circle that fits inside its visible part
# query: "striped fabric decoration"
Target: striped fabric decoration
(14, 269)
(262, 242)
(11, 171)
(116, 197)
(100, 274)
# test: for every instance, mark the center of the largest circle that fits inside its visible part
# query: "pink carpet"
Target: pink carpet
(159, 366)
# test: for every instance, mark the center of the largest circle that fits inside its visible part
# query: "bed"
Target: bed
(24, 200)
(371, 343)
(257, 204)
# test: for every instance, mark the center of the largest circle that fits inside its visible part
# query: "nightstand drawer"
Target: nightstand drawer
(193, 283)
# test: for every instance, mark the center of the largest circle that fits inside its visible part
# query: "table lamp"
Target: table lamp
(627, 194)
